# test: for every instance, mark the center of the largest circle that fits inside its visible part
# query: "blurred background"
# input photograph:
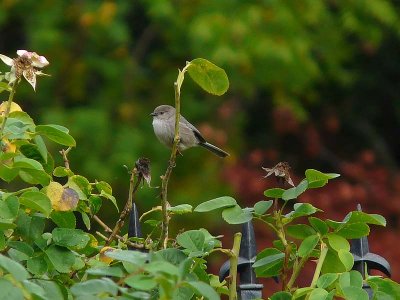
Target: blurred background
(313, 83)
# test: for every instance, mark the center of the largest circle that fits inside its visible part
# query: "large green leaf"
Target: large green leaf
(37, 201)
(203, 289)
(71, 238)
(308, 245)
(261, 207)
(296, 191)
(216, 203)
(299, 231)
(384, 288)
(326, 280)
(192, 240)
(134, 257)
(9, 207)
(318, 179)
(9, 291)
(56, 133)
(210, 77)
(61, 258)
(95, 287)
(236, 215)
(14, 268)
(65, 219)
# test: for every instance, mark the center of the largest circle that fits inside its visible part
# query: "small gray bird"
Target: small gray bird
(164, 128)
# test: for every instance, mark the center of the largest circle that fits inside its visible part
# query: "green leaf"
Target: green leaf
(34, 289)
(37, 265)
(338, 242)
(300, 231)
(30, 228)
(133, 257)
(71, 238)
(9, 207)
(296, 191)
(65, 219)
(56, 133)
(262, 206)
(192, 240)
(141, 282)
(354, 293)
(318, 294)
(208, 76)
(268, 260)
(9, 291)
(80, 185)
(37, 201)
(61, 258)
(301, 210)
(62, 172)
(308, 245)
(181, 209)
(4, 87)
(172, 255)
(352, 278)
(281, 296)
(27, 163)
(32, 151)
(14, 268)
(161, 267)
(236, 215)
(354, 230)
(203, 289)
(385, 288)
(34, 176)
(95, 287)
(113, 271)
(52, 290)
(274, 193)
(346, 258)
(332, 263)
(41, 147)
(301, 292)
(85, 219)
(362, 217)
(318, 179)
(216, 203)
(318, 225)
(326, 280)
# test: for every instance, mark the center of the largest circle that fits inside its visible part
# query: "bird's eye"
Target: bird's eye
(161, 113)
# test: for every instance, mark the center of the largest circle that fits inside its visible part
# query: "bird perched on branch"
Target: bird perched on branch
(164, 128)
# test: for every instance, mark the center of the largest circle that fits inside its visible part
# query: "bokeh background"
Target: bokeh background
(313, 83)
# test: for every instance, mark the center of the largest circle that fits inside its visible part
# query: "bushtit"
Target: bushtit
(164, 128)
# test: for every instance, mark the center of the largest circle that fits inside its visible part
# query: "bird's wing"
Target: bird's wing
(188, 128)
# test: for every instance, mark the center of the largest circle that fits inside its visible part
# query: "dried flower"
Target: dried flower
(26, 64)
(142, 166)
(281, 171)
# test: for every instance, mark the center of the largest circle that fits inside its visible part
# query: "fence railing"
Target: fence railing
(248, 285)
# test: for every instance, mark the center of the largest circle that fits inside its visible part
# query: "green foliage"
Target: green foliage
(324, 240)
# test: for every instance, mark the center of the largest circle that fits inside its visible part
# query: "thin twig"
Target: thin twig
(128, 206)
(64, 154)
(157, 208)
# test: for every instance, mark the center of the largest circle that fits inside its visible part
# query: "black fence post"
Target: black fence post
(248, 287)
(365, 260)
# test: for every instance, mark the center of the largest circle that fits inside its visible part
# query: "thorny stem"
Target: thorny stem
(172, 159)
(233, 265)
(8, 108)
(128, 206)
(321, 259)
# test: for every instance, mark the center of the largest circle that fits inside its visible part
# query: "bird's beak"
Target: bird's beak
(153, 114)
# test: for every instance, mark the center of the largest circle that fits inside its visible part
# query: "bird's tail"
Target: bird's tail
(214, 149)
